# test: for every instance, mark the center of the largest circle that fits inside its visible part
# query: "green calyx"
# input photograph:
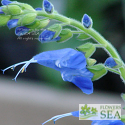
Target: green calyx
(88, 49)
(4, 19)
(98, 71)
(65, 35)
(27, 19)
(56, 28)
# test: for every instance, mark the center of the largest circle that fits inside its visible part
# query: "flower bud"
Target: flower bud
(48, 6)
(27, 19)
(83, 36)
(21, 30)
(98, 71)
(55, 28)
(38, 9)
(113, 63)
(87, 21)
(90, 61)
(4, 19)
(65, 35)
(88, 49)
(12, 23)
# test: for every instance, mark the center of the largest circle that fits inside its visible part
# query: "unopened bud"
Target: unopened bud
(4, 19)
(83, 36)
(90, 61)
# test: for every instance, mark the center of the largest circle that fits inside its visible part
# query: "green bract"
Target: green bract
(88, 49)
(43, 23)
(27, 19)
(98, 71)
(65, 35)
(83, 36)
(56, 28)
(4, 19)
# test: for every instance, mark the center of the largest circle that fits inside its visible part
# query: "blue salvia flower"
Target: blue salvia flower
(57, 117)
(71, 64)
(107, 122)
(21, 30)
(6, 2)
(86, 21)
(38, 9)
(1, 12)
(47, 36)
(12, 23)
(110, 62)
(48, 7)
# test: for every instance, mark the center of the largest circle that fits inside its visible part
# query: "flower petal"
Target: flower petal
(107, 122)
(12, 23)
(38, 9)
(76, 61)
(85, 84)
(21, 30)
(6, 2)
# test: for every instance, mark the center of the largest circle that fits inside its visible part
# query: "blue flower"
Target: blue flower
(21, 30)
(57, 117)
(110, 62)
(1, 12)
(86, 21)
(47, 36)
(38, 9)
(6, 2)
(12, 23)
(48, 7)
(107, 122)
(71, 64)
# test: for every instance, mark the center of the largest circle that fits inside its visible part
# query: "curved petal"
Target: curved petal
(75, 113)
(21, 30)
(12, 23)
(85, 84)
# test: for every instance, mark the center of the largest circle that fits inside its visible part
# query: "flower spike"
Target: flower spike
(57, 117)
(12, 23)
(87, 21)
(48, 6)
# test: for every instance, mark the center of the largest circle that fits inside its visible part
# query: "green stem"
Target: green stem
(91, 32)
(113, 70)
(77, 32)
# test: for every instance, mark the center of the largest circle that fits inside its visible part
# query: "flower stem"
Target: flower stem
(89, 31)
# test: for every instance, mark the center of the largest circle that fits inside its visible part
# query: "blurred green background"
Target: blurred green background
(108, 19)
